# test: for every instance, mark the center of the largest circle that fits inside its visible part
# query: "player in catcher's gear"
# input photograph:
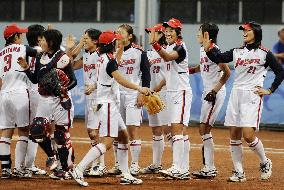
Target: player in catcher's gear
(153, 103)
(55, 76)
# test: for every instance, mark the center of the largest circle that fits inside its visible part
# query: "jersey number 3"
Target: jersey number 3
(7, 60)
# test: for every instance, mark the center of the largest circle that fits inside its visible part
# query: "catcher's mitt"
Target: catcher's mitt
(53, 82)
(211, 97)
(153, 103)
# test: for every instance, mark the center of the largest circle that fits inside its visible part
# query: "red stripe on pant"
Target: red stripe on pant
(29, 107)
(108, 119)
(258, 113)
(183, 105)
(209, 115)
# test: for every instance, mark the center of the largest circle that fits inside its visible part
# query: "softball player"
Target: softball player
(134, 66)
(213, 77)
(14, 100)
(245, 104)
(51, 106)
(179, 95)
(108, 108)
(34, 36)
(89, 64)
(158, 122)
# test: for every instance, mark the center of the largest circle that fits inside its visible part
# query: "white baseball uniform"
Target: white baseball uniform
(14, 100)
(108, 98)
(210, 74)
(157, 70)
(129, 68)
(179, 94)
(90, 78)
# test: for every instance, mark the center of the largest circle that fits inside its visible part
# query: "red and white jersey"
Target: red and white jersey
(157, 69)
(177, 75)
(249, 68)
(107, 87)
(129, 68)
(89, 67)
(210, 71)
(12, 75)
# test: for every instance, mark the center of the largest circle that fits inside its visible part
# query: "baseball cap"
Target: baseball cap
(156, 28)
(174, 23)
(13, 29)
(109, 36)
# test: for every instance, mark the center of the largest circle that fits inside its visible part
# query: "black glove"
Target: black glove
(211, 96)
(66, 103)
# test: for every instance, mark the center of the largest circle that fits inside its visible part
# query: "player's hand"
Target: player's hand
(261, 91)
(158, 88)
(89, 89)
(23, 63)
(70, 41)
(63, 91)
(211, 96)
(206, 41)
(154, 37)
(50, 26)
(140, 101)
(145, 90)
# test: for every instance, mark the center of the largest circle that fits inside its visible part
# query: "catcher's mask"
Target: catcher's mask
(39, 129)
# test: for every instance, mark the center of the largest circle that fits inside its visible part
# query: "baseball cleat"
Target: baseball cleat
(59, 174)
(185, 175)
(127, 179)
(172, 172)
(6, 173)
(98, 171)
(266, 170)
(18, 173)
(28, 173)
(206, 172)
(134, 169)
(151, 169)
(78, 177)
(237, 177)
(114, 171)
(37, 171)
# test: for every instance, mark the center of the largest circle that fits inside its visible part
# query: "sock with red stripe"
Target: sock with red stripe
(185, 157)
(5, 154)
(237, 154)
(178, 147)
(158, 149)
(31, 153)
(258, 148)
(208, 145)
(114, 146)
(135, 149)
(122, 157)
(94, 153)
(21, 151)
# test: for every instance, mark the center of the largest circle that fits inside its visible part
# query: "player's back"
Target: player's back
(13, 79)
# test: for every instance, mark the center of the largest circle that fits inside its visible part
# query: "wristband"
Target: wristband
(157, 46)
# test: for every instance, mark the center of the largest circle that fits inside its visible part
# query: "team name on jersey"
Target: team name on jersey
(10, 50)
(87, 68)
(203, 60)
(244, 62)
(127, 62)
(101, 59)
(157, 60)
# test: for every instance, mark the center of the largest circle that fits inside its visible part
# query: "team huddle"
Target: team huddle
(120, 78)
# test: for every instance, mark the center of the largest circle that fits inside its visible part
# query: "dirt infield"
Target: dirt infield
(273, 142)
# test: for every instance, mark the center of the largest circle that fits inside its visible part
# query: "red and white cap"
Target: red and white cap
(108, 37)
(245, 26)
(156, 28)
(174, 23)
(13, 29)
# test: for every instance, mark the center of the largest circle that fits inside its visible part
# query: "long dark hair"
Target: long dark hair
(129, 30)
(53, 38)
(107, 48)
(34, 31)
